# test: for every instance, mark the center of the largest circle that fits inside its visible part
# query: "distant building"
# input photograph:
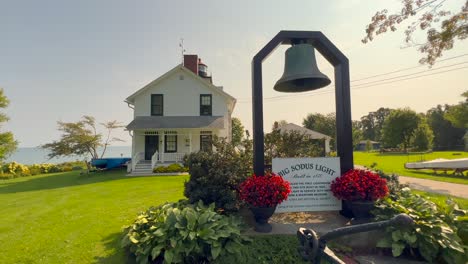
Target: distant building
(363, 143)
(311, 133)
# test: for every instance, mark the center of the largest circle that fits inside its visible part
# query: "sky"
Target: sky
(62, 59)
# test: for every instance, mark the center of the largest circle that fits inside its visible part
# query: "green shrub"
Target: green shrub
(434, 233)
(66, 168)
(16, 169)
(173, 168)
(183, 233)
(393, 183)
(215, 176)
(7, 176)
(270, 249)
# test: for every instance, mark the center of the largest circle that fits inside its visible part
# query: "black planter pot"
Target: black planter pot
(262, 214)
(361, 210)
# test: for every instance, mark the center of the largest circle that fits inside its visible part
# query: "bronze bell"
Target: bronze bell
(300, 71)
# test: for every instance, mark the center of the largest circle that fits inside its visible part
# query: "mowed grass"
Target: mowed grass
(441, 199)
(395, 163)
(73, 218)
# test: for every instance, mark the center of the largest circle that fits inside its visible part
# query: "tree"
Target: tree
(368, 145)
(398, 128)
(357, 133)
(458, 114)
(442, 27)
(237, 131)
(372, 123)
(325, 124)
(446, 136)
(81, 138)
(281, 144)
(7, 142)
(422, 137)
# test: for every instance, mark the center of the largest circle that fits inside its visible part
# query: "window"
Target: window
(156, 104)
(205, 105)
(206, 141)
(170, 143)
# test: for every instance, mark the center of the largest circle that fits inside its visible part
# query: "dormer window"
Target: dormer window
(206, 108)
(156, 104)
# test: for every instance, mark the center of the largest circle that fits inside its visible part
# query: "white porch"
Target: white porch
(153, 148)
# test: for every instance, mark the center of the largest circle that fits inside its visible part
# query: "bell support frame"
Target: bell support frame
(342, 94)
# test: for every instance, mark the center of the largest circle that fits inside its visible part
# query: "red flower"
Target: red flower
(264, 191)
(359, 184)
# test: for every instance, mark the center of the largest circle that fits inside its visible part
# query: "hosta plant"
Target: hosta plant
(183, 233)
(434, 233)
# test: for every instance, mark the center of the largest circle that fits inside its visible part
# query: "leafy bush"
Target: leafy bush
(215, 176)
(434, 233)
(16, 169)
(271, 249)
(173, 168)
(393, 183)
(183, 233)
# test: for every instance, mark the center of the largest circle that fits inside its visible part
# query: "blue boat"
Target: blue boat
(110, 163)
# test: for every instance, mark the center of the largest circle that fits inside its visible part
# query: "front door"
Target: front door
(151, 145)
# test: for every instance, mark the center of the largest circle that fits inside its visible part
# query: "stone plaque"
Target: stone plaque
(310, 180)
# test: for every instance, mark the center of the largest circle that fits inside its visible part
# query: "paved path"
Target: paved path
(455, 189)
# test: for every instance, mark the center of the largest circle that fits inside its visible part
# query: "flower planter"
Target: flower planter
(361, 210)
(262, 214)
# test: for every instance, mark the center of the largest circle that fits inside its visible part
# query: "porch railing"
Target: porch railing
(135, 159)
(166, 157)
(154, 159)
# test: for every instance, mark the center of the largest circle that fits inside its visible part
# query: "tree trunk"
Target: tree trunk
(88, 166)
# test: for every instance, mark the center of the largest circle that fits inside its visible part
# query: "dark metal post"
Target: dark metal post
(344, 131)
(257, 117)
(342, 95)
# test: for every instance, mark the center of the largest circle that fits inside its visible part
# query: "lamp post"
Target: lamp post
(296, 80)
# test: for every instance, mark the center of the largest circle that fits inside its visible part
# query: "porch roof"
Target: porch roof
(155, 122)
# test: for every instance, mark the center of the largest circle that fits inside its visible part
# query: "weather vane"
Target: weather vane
(182, 50)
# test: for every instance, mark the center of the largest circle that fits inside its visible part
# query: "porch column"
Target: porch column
(327, 145)
(162, 150)
(190, 142)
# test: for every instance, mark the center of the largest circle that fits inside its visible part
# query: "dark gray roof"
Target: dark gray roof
(154, 122)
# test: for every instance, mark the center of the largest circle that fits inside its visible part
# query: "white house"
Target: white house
(176, 114)
(311, 133)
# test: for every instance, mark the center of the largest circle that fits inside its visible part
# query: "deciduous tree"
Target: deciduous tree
(442, 27)
(7, 142)
(372, 123)
(446, 136)
(237, 131)
(325, 124)
(82, 138)
(458, 114)
(423, 137)
(398, 128)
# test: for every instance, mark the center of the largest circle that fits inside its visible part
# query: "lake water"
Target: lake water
(38, 155)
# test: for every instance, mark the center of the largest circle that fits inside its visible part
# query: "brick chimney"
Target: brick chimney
(191, 63)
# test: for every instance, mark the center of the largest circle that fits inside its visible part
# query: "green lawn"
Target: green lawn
(72, 218)
(441, 198)
(394, 163)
